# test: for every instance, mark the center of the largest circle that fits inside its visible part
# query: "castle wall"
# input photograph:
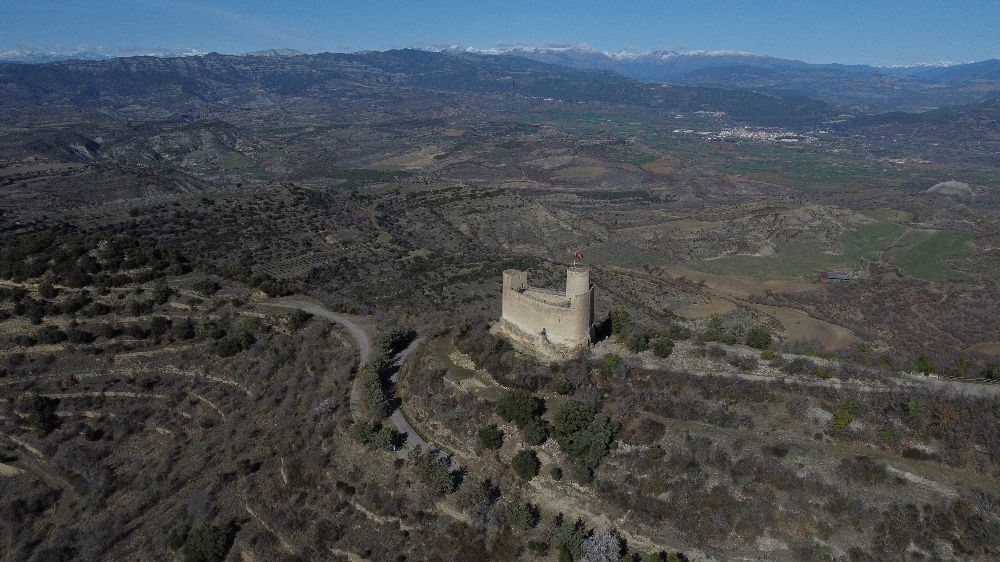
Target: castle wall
(566, 321)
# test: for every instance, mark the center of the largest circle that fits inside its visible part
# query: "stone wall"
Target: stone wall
(561, 321)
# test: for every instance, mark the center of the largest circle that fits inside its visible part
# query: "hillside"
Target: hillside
(201, 84)
(853, 86)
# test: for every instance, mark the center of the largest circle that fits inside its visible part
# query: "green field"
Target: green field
(795, 260)
(235, 162)
(621, 254)
(921, 254)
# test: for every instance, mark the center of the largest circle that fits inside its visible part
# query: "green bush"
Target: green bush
(50, 335)
(209, 543)
(758, 337)
(568, 536)
(184, 330)
(583, 432)
(663, 346)
(46, 290)
(635, 341)
(715, 331)
(42, 414)
(563, 386)
(161, 293)
(159, 326)
(78, 336)
(207, 287)
(525, 463)
(435, 471)
(676, 332)
(234, 343)
(924, 365)
(520, 407)
(535, 432)
(298, 319)
(610, 363)
(491, 437)
(621, 320)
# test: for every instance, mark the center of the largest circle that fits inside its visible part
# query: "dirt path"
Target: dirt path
(398, 420)
(354, 327)
(363, 339)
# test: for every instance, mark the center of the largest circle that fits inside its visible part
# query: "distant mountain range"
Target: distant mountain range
(852, 88)
(202, 84)
(29, 55)
(857, 87)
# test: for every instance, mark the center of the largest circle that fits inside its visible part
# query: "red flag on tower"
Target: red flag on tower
(579, 255)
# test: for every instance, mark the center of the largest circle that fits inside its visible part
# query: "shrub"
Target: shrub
(184, 330)
(476, 497)
(525, 464)
(523, 515)
(715, 352)
(46, 290)
(434, 471)
(743, 362)
(844, 415)
(758, 337)
(394, 340)
(78, 336)
(924, 365)
(378, 400)
(715, 331)
(556, 473)
(862, 469)
(159, 326)
(582, 473)
(520, 407)
(161, 293)
(621, 320)
(800, 366)
(50, 335)
(209, 543)
(663, 346)
(768, 355)
(139, 307)
(207, 287)
(42, 414)
(676, 332)
(234, 343)
(611, 363)
(491, 437)
(569, 536)
(563, 386)
(635, 341)
(991, 372)
(298, 319)
(583, 432)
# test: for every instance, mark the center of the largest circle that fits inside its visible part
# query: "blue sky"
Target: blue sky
(847, 31)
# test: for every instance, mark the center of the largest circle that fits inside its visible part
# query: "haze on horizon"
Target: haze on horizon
(885, 33)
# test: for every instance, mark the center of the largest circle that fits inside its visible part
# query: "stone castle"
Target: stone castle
(552, 323)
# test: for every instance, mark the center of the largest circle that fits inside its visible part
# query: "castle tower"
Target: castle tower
(577, 281)
(553, 323)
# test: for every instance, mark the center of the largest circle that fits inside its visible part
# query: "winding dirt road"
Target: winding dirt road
(363, 339)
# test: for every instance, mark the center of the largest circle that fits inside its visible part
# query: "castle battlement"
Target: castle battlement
(550, 322)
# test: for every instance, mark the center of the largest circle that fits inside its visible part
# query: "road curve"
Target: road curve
(357, 331)
(361, 338)
(364, 343)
